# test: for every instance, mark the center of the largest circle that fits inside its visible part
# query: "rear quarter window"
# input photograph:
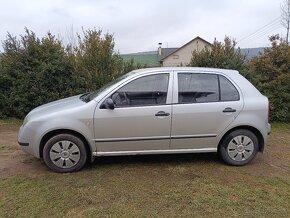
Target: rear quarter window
(228, 90)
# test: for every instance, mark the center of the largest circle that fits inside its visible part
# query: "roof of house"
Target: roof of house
(143, 59)
(167, 51)
(173, 51)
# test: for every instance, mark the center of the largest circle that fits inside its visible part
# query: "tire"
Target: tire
(65, 153)
(239, 147)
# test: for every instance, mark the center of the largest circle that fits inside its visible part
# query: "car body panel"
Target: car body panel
(190, 128)
(133, 128)
(197, 125)
(58, 115)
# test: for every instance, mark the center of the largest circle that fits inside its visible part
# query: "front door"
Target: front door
(205, 105)
(140, 120)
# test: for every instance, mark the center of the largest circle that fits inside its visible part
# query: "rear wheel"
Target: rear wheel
(64, 153)
(239, 147)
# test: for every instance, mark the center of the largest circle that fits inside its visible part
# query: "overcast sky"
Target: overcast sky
(140, 25)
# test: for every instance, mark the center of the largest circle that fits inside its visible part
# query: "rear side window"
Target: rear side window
(228, 90)
(197, 88)
(201, 88)
(144, 91)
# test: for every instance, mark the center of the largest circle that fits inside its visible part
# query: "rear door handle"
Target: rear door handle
(162, 114)
(229, 110)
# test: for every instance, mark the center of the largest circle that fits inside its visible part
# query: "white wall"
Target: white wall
(183, 55)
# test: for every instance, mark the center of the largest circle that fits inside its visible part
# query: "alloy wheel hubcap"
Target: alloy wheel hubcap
(240, 148)
(65, 154)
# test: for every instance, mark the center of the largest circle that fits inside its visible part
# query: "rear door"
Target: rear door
(205, 104)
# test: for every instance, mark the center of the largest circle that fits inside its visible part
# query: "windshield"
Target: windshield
(92, 95)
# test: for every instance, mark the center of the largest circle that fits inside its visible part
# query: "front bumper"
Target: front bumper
(23, 143)
(26, 140)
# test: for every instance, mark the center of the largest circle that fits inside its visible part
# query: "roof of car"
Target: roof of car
(196, 69)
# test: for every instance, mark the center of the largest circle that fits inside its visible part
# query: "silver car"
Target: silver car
(152, 111)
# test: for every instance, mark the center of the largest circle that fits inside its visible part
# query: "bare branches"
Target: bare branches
(285, 17)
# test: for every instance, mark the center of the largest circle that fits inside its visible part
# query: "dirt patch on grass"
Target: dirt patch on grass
(274, 162)
(12, 160)
(186, 185)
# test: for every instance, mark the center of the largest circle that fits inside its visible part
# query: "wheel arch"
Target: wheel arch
(259, 135)
(52, 133)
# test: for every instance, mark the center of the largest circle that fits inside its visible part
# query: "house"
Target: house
(172, 57)
(169, 57)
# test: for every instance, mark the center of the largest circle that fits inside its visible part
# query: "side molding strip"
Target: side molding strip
(132, 139)
(141, 152)
(193, 136)
(154, 138)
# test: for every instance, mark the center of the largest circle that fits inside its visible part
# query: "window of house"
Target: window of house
(197, 88)
(228, 90)
(147, 90)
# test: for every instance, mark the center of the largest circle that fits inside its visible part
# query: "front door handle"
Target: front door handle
(229, 110)
(162, 114)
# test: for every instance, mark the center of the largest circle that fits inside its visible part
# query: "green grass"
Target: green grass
(193, 185)
(151, 60)
(2, 147)
(280, 126)
(11, 121)
(122, 194)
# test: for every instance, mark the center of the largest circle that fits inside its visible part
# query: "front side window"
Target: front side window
(197, 88)
(144, 91)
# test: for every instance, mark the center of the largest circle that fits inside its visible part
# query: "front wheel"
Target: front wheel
(64, 153)
(239, 147)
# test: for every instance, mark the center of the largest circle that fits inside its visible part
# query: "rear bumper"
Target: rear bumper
(266, 134)
(269, 128)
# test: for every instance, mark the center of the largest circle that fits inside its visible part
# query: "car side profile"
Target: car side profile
(152, 111)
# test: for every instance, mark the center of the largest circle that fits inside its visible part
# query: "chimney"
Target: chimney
(159, 49)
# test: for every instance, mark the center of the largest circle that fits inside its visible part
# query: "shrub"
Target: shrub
(34, 71)
(220, 55)
(271, 71)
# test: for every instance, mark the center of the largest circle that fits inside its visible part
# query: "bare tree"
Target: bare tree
(285, 17)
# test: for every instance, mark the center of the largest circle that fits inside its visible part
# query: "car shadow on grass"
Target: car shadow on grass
(156, 159)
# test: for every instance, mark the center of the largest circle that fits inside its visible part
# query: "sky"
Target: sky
(140, 25)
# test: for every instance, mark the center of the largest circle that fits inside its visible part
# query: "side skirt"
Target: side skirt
(144, 152)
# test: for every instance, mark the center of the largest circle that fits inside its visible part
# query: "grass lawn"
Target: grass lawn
(191, 185)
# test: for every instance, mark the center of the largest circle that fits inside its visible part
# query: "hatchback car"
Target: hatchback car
(152, 111)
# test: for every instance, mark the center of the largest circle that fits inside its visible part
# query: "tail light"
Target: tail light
(269, 112)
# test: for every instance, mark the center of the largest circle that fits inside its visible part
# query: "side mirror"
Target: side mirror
(108, 104)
